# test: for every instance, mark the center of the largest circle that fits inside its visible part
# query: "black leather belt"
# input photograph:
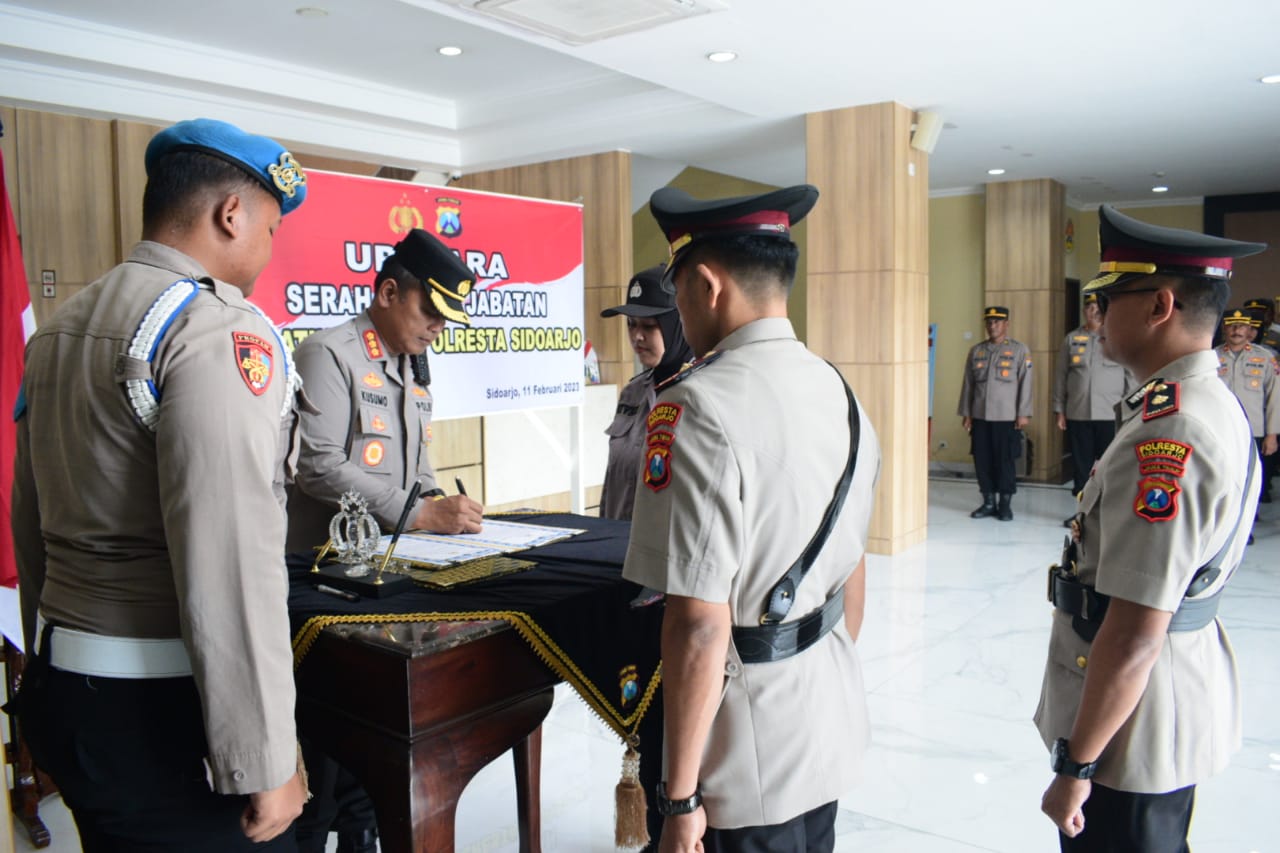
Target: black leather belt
(1087, 606)
(775, 641)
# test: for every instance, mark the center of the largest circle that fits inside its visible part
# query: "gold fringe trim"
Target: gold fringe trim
(543, 646)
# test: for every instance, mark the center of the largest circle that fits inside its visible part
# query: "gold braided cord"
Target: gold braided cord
(543, 646)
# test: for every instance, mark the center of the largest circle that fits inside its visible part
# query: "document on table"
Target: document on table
(496, 538)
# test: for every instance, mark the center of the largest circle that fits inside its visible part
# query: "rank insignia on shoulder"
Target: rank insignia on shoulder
(689, 369)
(372, 345)
(1161, 400)
(1135, 399)
(253, 358)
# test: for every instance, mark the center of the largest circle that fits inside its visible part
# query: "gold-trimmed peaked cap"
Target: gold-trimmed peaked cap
(1132, 248)
(686, 220)
(263, 159)
(446, 279)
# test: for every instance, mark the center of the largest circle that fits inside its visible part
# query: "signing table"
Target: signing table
(414, 694)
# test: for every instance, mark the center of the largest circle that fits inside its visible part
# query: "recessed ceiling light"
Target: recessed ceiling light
(1270, 78)
(722, 56)
(1159, 189)
(995, 171)
(449, 50)
(311, 12)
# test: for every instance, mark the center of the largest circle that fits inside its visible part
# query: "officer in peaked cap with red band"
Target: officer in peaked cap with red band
(148, 529)
(1141, 699)
(745, 452)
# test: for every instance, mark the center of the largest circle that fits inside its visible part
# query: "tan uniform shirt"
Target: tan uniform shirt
(997, 382)
(1087, 384)
(761, 438)
(1161, 502)
(371, 432)
(1251, 376)
(127, 533)
(626, 447)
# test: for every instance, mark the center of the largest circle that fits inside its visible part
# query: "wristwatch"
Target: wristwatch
(677, 807)
(1063, 765)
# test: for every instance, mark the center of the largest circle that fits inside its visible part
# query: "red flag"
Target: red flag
(16, 324)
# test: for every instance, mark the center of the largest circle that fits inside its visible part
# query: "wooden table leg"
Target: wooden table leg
(528, 760)
(415, 786)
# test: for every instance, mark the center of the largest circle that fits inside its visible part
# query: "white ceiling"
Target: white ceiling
(1097, 94)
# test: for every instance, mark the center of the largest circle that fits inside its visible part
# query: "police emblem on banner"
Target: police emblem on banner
(448, 217)
(253, 358)
(404, 217)
(1157, 499)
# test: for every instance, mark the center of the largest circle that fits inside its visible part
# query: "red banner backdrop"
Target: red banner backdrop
(525, 346)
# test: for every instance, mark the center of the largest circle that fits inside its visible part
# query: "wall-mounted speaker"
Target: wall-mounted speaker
(928, 128)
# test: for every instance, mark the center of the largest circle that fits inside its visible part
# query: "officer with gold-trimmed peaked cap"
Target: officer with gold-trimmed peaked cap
(1140, 699)
(746, 452)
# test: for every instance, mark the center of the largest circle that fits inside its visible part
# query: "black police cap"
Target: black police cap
(645, 296)
(445, 278)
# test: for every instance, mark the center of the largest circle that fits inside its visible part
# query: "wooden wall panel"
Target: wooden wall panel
(1025, 271)
(868, 294)
(67, 202)
(601, 183)
(130, 140)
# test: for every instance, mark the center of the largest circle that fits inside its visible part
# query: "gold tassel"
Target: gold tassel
(630, 830)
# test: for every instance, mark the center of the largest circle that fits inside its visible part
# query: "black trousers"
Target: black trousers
(812, 832)
(1087, 440)
(128, 756)
(994, 445)
(1124, 822)
(338, 803)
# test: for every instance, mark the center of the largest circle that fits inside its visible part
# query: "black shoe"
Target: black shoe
(364, 841)
(987, 509)
(1004, 512)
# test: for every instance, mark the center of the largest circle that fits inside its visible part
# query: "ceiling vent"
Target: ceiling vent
(586, 21)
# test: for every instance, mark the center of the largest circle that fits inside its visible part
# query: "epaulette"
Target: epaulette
(1135, 399)
(1161, 400)
(688, 370)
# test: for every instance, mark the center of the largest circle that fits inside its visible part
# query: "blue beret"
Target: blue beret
(264, 159)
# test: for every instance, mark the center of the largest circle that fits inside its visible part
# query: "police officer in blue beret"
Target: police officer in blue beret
(148, 525)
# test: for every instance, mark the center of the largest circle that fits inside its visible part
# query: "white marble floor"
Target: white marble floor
(953, 649)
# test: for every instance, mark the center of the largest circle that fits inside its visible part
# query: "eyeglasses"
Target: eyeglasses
(1104, 298)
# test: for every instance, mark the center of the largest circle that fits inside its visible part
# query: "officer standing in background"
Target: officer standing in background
(657, 338)
(368, 379)
(1250, 372)
(1140, 699)
(1086, 388)
(758, 457)
(148, 533)
(995, 403)
(1268, 331)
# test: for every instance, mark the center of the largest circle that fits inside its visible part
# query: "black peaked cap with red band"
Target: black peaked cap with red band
(686, 220)
(1132, 248)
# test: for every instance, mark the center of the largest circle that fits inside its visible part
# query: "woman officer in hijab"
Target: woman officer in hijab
(656, 336)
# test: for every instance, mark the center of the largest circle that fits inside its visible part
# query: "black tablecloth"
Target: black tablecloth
(573, 609)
